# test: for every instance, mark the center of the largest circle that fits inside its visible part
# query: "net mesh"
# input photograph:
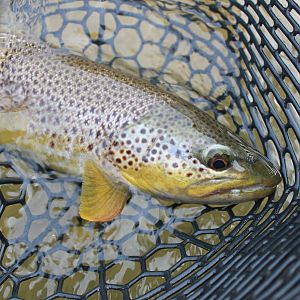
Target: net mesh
(239, 60)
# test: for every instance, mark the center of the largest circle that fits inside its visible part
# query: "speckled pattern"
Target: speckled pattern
(76, 106)
(93, 107)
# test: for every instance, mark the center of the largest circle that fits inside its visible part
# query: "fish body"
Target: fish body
(121, 133)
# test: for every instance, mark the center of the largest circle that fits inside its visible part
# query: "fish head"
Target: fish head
(186, 156)
(233, 172)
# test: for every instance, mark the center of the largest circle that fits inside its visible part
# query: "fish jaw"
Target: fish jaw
(242, 192)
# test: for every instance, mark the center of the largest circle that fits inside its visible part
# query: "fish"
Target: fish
(120, 133)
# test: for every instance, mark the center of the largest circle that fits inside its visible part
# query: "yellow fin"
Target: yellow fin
(101, 200)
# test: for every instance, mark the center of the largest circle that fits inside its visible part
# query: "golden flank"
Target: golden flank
(120, 134)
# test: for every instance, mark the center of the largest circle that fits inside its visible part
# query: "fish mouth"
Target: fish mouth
(237, 195)
(225, 191)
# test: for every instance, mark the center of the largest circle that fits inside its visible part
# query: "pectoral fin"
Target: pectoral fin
(101, 199)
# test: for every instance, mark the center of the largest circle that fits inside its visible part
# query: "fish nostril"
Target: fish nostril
(252, 158)
(266, 173)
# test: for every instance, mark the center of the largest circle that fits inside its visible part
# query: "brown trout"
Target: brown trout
(120, 134)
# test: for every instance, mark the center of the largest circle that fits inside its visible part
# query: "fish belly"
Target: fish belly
(13, 126)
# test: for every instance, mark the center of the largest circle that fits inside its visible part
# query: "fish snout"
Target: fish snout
(265, 173)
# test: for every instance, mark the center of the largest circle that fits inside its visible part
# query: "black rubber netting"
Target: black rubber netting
(156, 250)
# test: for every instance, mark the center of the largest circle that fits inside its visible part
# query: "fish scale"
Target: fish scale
(121, 133)
(80, 96)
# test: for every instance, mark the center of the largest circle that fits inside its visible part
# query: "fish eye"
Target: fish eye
(218, 157)
(219, 162)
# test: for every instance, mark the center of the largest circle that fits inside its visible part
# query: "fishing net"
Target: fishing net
(237, 59)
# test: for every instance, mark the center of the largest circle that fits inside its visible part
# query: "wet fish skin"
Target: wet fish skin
(137, 135)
